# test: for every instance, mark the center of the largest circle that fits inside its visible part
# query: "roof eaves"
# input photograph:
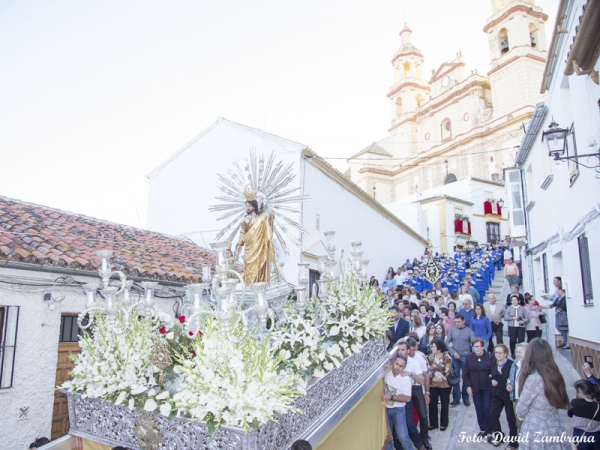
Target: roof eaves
(443, 197)
(483, 180)
(539, 115)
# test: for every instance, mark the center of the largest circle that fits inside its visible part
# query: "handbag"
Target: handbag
(543, 319)
(453, 379)
(589, 424)
(562, 319)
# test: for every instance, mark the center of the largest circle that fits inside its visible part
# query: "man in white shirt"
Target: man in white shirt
(446, 296)
(401, 275)
(396, 393)
(495, 312)
(416, 375)
(419, 398)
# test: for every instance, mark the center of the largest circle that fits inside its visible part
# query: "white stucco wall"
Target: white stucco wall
(411, 214)
(384, 243)
(36, 352)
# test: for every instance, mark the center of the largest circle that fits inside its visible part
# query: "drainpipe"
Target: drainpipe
(527, 231)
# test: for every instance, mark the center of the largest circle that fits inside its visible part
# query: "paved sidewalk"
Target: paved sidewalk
(464, 420)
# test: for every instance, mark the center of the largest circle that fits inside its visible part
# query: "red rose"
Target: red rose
(193, 353)
(162, 330)
(191, 333)
(181, 319)
(200, 333)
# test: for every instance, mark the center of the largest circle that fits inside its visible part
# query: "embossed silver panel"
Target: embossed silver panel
(112, 425)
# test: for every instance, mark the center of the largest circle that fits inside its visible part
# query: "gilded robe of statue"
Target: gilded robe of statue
(257, 236)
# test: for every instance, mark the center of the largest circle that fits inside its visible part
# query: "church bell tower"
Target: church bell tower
(409, 90)
(518, 53)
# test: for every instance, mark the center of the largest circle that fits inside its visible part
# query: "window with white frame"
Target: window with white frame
(9, 327)
(518, 217)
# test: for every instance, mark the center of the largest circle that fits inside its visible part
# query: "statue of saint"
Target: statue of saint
(257, 236)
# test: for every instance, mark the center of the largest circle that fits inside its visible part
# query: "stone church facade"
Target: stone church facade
(456, 125)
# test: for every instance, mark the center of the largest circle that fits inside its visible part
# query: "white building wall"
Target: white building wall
(432, 213)
(561, 206)
(384, 244)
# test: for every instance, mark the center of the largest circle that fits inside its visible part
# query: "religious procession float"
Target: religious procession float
(249, 361)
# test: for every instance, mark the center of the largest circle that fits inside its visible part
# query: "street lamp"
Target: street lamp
(500, 203)
(446, 164)
(374, 190)
(556, 141)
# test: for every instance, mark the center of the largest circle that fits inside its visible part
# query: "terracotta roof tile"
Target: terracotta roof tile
(43, 235)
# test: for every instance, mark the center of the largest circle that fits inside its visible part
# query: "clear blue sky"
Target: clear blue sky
(95, 94)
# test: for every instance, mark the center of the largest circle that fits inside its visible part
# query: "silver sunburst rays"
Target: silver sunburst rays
(271, 180)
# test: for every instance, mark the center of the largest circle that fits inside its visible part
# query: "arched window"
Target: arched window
(419, 99)
(406, 69)
(503, 39)
(533, 35)
(446, 129)
(450, 178)
(399, 106)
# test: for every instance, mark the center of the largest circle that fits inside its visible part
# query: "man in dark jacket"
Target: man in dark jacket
(399, 328)
(500, 371)
(476, 378)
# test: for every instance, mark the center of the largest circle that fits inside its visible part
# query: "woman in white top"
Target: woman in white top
(418, 326)
(517, 318)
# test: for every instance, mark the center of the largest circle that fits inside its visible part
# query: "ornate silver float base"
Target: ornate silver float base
(323, 406)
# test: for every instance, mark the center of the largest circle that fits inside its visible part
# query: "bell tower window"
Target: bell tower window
(533, 35)
(419, 100)
(503, 38)
(406, 69)
(398, 107)
(446, 130)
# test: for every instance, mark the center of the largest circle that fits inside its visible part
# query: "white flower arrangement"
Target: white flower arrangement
(314, 351)
(207, 377)
(118, 367)
(360, 316)
(239, 384)
(301, 344)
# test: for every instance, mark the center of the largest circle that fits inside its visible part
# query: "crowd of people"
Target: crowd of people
(474, 267)
(443, 351)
